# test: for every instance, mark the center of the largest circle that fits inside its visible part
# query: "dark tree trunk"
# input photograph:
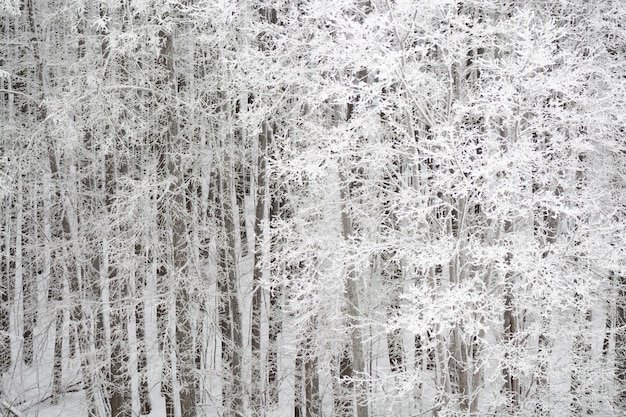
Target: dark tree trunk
(142, 357)
(257, 382)
(29, 292)
(511, 383)
(120, 390)
(57, 371)
(512, 387)
(298, 400)
(229, 315)
(311, 377)
(5, 288)
(344, 390)
(275, 326)
(620, 342)
(392, 279)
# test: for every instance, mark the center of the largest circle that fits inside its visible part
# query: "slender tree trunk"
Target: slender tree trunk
(298, 400)
(120, 391)
(54, 292)
(511, 383)
(459, 364)
(232, 390)
(18, 278)
(512, 387)
(186, 352)
(343, 405)
(5, 277)
(311, 378)
(392, 277)
(580, 389)
(120, 399)
(162, 318)
(306, 381)
(229, 315)
(256, 383)
(353, 366)
(30, 287)
(275, 325)
(620, 342)
(547, 231)
(256, 386)
(57, 371)
(145, 406)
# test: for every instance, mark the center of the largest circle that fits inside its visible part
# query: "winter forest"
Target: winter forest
(338, 208)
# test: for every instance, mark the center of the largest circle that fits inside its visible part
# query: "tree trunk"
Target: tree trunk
(620, 342)
(353, 366)
(145, 406)
(512, 387)
(580, 389)
(30, 288)
(298, 400)
(392, 278)
(5, 276)
(120, 397)
(120, 391)
(256, 386)
(57, 371)
(511, 383)
(275, 322)
(229, 315)
(275, 327)
(344, 387)
(311, 378)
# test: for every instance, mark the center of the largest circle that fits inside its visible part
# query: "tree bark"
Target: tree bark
(311, 378)
(274, 318)
(229, 312)
(256, 387)
(392, 278)
(512, 387)
(620, 342)
(5, 274)
(145, 406)
(275, 328)
(30, 280)
(353, 365)
(343, 405)
(298, 400)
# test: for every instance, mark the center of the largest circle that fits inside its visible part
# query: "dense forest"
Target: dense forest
(361, 208)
